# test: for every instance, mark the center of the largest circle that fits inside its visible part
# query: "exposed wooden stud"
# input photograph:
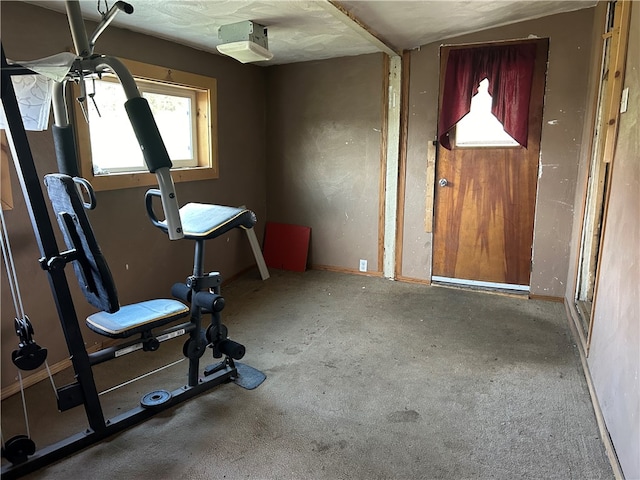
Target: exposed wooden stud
(618, 55)
(391, 181)
(402, 159)
(384, 116)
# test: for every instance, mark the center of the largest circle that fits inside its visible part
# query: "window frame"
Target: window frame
(206, 131)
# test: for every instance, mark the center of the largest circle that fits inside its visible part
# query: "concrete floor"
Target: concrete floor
(366, 379)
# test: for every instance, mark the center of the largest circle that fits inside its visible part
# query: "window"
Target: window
(509, 67)
(479, 127)
(183, 105)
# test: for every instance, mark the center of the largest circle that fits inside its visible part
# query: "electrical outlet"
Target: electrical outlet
(363, 265)
(624, 100)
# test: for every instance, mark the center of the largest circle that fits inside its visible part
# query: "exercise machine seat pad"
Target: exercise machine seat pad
(137, 318)
(202, 221)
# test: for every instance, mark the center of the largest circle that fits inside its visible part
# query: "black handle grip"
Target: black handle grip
(146, 130)
(125, 7)
(65, 146)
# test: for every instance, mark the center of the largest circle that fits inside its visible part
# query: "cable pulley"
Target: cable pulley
(29, 354)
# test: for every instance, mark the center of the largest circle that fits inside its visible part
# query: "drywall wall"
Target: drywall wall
(143, 261)
(565, 97)
(324, 155)
(614, 356)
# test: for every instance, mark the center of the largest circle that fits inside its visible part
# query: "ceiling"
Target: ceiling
(314, 30)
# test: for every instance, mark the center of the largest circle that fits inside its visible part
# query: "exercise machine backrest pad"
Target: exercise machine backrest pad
(90, 267)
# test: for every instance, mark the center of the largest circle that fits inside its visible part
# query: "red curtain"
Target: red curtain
(509, 69)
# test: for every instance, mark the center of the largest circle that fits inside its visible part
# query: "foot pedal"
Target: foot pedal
(248, 377)
(155, 399)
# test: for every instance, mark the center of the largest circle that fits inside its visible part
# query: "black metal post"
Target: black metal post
(34, 198)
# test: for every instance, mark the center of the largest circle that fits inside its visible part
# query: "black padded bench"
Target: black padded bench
(202, 221)
(93, 273)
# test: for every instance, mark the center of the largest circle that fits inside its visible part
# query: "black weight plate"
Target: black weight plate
(18, 448)
(155, 398)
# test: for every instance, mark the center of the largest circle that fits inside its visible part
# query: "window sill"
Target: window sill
(115, 181)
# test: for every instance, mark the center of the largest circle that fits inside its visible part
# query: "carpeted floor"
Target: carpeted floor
(366, 379)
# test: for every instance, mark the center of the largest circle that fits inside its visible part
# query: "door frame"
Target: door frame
(601, 155)
(541, 65)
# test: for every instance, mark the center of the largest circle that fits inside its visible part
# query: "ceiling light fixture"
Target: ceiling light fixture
(245, 42)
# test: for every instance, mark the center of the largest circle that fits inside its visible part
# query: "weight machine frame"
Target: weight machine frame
(82, 362)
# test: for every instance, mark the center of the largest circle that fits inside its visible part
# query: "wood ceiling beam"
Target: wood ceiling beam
(366, 32)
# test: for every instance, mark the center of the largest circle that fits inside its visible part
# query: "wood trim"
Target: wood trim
(574, 317)
(432, 150)
(384, 126)
(351, 271)
(514, 41)
(402, 159)
(458, 233)
(547, 298)
(617, 59)
(617, 64)
(597, 65)
(366, 32)
(416, 281)
(206, 131)
(42, 374)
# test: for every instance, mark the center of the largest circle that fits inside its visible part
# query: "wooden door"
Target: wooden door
(485, 202)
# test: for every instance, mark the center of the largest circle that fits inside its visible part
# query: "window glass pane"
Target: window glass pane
(479, 127)
(114, 146)
(173, 117)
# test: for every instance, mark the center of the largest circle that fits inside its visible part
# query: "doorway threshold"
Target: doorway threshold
(480, 285)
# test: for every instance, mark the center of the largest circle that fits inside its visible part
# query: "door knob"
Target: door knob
(443, 182)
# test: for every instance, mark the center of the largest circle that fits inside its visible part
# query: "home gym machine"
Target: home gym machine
(142, 326)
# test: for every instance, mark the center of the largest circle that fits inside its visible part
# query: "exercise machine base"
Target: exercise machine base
(224, 372)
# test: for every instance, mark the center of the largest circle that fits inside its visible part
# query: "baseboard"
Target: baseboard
(547, 298)
(42, 374)
(419, 281)
(577, 330)
(602, 426)
(232, 278)
(351, 271)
